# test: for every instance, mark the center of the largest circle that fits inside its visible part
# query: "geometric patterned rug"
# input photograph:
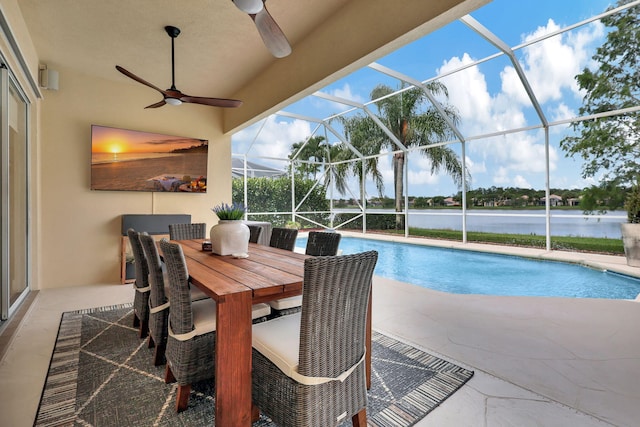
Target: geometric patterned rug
(101, 374)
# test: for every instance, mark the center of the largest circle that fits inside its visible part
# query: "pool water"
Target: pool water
(469, 272)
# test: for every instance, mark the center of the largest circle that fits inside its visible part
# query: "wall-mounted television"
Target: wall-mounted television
(130, 160)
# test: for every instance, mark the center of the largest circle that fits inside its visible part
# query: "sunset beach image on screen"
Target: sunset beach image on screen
(130, 160)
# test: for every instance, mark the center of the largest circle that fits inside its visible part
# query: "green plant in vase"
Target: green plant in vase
(226, 212)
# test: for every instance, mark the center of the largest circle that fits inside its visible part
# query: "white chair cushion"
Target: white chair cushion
(260, 310)
(204, 316)
(285, 303)
(279, 341)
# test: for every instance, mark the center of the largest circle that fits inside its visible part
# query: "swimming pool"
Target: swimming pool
(469, 272)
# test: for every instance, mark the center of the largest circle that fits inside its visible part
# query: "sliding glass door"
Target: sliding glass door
(14, 189)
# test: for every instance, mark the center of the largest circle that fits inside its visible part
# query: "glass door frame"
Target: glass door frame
(7, 83)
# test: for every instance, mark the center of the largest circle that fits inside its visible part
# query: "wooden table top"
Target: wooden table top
(269, 273)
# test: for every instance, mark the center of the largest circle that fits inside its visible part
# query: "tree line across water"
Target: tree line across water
(272, 198)
(502, 197)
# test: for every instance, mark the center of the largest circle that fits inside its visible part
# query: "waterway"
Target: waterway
(469, 272)
(524, 221)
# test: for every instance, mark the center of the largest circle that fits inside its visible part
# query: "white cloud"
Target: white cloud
(343, 92)
(274, 139)
(521, 182)
(561, 112)
(475, 167)
(500, 177)
(512, 87)
(385, 166)
(552, 64)
(468, 92)
(420, 172)
(550, 67)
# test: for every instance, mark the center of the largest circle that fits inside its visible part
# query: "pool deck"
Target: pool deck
(538, 361)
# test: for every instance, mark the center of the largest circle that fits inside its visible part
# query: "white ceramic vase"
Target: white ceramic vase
(229, 237)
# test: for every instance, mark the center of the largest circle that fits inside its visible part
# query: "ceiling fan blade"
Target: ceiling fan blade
(138, 79)
(214, 102)
(157, 104)
(272, 36)
(173, 96)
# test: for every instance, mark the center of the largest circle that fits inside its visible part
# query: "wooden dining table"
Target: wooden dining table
(236, 284)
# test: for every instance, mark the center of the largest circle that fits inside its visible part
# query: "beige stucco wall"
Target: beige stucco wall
(74, 231)
(80, 228)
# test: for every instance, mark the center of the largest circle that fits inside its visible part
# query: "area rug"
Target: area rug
(101, 374)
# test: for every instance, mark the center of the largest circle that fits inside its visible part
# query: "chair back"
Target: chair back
(140, 261)
(157, 296)
(196, 230)
(334, 313)
(254, 233)
(181, 315)
(322, 243)
(283, 238)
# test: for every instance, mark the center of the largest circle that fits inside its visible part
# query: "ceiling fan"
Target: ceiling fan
(272, 36)
(173, 96)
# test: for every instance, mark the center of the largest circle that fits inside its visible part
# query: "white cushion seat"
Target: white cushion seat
(204, 320)
(286, 303)
(204, 316)
(260, 310)
(279, 341)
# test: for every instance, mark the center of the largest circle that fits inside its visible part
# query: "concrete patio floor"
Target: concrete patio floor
(538, 361)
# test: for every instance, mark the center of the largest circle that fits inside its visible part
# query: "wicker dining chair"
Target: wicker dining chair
(322, 243)
(283, 238)
(254, 233)
(158, 300)
(141, 285)
(196, 230)
(190, 350)
(309, 368)
(319, 243)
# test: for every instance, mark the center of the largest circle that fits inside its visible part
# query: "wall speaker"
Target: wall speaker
(48, 78)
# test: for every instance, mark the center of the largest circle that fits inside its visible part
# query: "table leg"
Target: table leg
(233, 360)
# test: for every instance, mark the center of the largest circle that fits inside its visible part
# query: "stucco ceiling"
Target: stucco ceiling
(217, 51)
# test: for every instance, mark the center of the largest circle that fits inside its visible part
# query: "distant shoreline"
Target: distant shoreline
(133, 159)
(134, 175)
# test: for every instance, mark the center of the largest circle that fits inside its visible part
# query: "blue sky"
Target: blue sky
(489, 97)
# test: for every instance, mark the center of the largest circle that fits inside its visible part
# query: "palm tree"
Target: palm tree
(413, 122)
(315, 150)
